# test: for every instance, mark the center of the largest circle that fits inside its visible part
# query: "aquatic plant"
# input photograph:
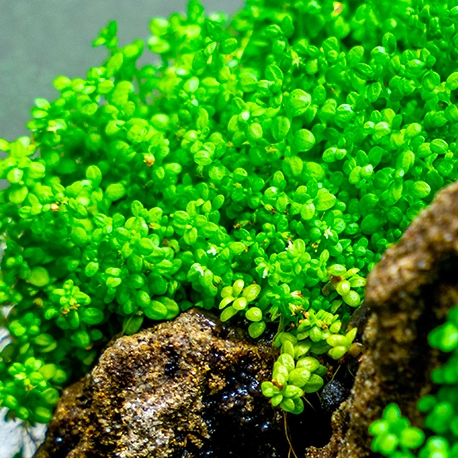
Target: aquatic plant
(260, 166)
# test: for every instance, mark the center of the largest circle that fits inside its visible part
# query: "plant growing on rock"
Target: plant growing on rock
(395, 438)
(260, 167)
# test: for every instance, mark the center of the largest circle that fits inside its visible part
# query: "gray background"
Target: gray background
(41, 39)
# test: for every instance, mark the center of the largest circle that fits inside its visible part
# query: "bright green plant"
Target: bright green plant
(393, 434)
(261, 166)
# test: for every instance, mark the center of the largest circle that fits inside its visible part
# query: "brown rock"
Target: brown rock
(184, 388)
(408, 293)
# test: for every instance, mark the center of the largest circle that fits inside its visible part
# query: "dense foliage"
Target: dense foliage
(260, 166)
(394, 436)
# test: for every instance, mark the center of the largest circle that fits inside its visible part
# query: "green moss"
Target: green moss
(261, 166)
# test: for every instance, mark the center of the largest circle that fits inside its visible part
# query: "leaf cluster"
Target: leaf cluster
(260, 167)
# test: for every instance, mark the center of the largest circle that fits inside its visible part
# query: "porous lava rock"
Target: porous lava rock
(408, 294)
(187, 388)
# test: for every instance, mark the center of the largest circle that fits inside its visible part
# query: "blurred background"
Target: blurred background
(41, 39)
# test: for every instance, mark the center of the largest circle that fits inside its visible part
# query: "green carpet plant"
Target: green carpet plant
(258, 166)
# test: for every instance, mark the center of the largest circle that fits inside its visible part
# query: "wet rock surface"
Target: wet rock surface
(187, 388)
(408, 294)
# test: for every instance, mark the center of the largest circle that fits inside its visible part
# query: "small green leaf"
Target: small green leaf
(39, 277)
(158, 45)
(421, 189)
(371, 224)
(17, 194)
(50, 396)
(228, 46)
(251, 292)
(131, 325)
(254, 314)
(308, 211)
(248, 83)
(94, 174)
(92, 316)
(81, 339)
(304, 140)
(228, 313)
(292, 391)
(299, 377)
(336, 339)
(439, 146)
(352, 298)
(337, 352)
(79, 236)
(412, 437)
(269, 389)
(115, 191)
(324, 200)
(314, 383)
(203, 157)
(292, 166)
(42, 414)
(280, 127)
(287, 361)
(254, 131)
(299, 101)
(114, 64)
(308, 362)
(256, 329)
(91, 269)
(277, 399)
(156, 311)
(452, 81)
